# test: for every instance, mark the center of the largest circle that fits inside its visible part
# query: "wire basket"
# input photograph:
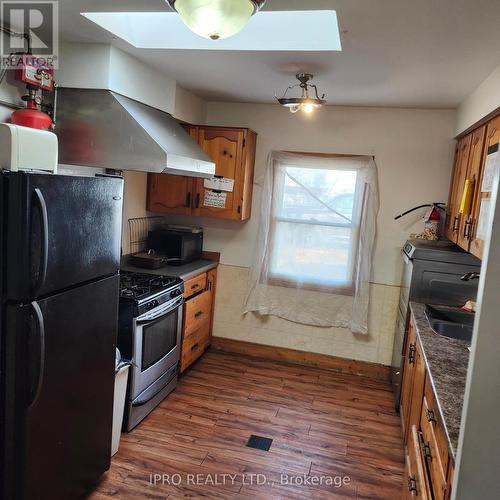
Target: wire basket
(139, 228)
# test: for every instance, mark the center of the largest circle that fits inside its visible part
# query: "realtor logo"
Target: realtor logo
(38, 21)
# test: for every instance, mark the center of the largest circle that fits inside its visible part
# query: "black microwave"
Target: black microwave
(179, 245)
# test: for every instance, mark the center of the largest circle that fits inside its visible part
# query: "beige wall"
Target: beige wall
(481, 102)
(413, 150)
(189, 107)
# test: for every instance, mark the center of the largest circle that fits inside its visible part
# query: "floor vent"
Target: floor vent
(259, 443)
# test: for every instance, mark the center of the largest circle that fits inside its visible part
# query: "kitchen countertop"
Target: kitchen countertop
(447, 361)
(184, 272)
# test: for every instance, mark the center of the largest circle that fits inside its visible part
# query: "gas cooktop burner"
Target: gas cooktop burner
(139, 286)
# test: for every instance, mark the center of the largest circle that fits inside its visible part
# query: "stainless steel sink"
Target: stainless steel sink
(452, 323)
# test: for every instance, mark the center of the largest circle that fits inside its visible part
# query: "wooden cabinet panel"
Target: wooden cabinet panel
(417, 395)
(197, 311)
(225, 148)
(457, 186)
(195, 285)
(434, 445)
(473, 174)
(198, 316)
(194, 345)
(170, 194)
(415, 484)
(212, 286)
(492, 138)
(408, 377)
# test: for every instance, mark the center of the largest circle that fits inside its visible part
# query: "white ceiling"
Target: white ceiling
(425, 53)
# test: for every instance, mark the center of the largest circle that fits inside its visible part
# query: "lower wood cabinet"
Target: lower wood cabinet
(199, 295)
(429, 465)
(416, 484)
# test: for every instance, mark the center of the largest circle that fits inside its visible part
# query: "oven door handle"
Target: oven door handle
(151, 316)
(148, 396)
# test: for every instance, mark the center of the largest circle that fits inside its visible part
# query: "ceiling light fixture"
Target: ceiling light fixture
(215, 19)
(305, 102)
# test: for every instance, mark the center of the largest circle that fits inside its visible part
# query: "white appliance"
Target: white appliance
(24, 148)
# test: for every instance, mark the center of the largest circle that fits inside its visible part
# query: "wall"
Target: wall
(414, 152)
(189, 107)
(106, 67)
(481, 102)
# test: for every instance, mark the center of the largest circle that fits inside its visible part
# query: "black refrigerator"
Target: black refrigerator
(59, 278)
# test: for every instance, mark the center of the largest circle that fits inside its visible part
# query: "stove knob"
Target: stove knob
(175, 293)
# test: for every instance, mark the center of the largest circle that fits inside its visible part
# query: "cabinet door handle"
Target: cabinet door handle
(411, 354)
(427, 451)
(456, 221)
(412, 484)
(431, 417)
(195, 286)
(195, 346)
(467, 231)
(198, 314)
(197, 200)
(188, 199)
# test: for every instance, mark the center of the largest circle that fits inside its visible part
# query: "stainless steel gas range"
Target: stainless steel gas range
(149, 334)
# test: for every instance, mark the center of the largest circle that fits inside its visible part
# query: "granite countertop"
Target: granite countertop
(447, 361)
(184, 272)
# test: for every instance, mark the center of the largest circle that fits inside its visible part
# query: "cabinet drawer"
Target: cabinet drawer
(415, 484)
(435, 445)
(197, 312)
(195, 285)
(194, 345)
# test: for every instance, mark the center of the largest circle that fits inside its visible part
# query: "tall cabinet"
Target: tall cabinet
(233, 151)
(470, 160)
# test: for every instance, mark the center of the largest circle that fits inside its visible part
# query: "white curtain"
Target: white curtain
(313, 256)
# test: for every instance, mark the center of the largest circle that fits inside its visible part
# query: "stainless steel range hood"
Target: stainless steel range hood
(100, 128)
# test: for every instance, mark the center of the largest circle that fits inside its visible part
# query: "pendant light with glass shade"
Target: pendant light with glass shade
(216, 19)
(307, 101)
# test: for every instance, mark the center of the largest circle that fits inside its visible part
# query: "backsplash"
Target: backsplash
(375, 347)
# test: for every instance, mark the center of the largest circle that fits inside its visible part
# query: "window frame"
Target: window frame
(359, 195)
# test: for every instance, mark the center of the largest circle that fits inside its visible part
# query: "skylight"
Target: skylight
(312, 30)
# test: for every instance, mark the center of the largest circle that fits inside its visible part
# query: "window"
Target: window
(315, 225)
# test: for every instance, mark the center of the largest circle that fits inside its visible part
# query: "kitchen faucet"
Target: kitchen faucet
(470, 276)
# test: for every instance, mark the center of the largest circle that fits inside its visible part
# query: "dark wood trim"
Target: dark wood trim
(480, 123)
(342, 365)
(328, 155)
(214, 256)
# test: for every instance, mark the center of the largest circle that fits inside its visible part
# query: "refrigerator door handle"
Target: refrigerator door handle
(40, 327)
(40, 200)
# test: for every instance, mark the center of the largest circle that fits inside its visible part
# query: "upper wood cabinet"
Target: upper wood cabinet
(492, 137)
(170, 194)
(473, 174)
(233, 151)
(457, 186)
(470, 159)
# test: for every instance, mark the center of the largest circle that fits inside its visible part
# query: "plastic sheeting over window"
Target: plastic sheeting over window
(313, 258)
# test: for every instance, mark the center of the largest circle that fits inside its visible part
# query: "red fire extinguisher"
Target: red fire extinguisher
(37, 76)
(432, 220)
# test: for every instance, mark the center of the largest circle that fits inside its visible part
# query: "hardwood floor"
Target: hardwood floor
(327, 429)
